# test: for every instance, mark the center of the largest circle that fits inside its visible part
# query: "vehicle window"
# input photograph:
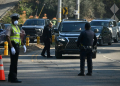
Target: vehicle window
(119, 24)
(59, 27)
(111, 23)
(46, 22)
(99, 29)
(72, 27)
(99, 23)
(34, 22)
(114, 23)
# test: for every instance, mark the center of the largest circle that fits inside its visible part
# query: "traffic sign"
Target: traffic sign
(114, 17)
(65, 11)
(114, 8)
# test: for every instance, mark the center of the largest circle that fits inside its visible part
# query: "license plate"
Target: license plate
(28, 35)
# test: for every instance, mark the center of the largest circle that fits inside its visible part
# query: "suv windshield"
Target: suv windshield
(72, 27)
(99, 29)
(100, 23)
(34, 22)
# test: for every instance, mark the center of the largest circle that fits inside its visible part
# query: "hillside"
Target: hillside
(89, 9)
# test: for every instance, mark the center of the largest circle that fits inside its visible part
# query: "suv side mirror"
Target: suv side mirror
(56, 30)
(111, 25)
(96, 30)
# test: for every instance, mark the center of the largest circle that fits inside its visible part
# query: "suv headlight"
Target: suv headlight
(39, 29)
(60, 39)
(98, 37)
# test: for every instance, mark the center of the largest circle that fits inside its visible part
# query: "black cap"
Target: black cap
(15, 16)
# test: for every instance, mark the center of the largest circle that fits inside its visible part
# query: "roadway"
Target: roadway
(41, 71)
(6, 5)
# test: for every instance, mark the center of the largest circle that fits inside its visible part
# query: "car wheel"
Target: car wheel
(110, 43)
(116, 40)
(58, 55)
(101, 42)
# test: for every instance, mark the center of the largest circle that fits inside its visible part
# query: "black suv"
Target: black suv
(66, 37)
(34, 28)
(111, 26)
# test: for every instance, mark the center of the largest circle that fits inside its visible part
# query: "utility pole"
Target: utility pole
(41, 10)
(77, 8)
(59, 10)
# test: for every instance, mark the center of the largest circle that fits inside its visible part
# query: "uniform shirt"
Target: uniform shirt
(86, 38)
(9, 31)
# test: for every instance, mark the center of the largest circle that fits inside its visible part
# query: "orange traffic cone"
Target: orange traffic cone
(2, 74)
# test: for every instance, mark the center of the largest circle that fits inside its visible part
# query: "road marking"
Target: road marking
(35, 54)
(110, 59)
(103, 48)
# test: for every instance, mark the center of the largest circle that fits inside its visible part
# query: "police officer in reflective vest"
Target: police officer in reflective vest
(86, 41)
(13, 38)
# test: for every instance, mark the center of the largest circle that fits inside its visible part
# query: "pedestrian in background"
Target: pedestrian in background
(47, 39)
(14, 40)
(86, 43)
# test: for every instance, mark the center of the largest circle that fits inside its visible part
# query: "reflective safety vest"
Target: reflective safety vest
(16, 36)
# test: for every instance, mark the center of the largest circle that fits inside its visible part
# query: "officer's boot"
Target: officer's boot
(89, 71)
(43, 53)
(82, 71)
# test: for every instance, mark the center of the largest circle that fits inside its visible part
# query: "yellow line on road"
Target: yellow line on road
(35, 54)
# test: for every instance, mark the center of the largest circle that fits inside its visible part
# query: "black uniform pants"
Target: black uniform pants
(47, 47)
(14, 60)
(83, 54)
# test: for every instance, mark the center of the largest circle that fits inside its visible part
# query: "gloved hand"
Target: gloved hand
(13, 50)
(24, 48)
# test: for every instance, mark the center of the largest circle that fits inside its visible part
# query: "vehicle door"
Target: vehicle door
(104, 34)
(108, 34)
(119, 28)
(114, 29)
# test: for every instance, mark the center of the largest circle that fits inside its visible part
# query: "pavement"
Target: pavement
(6, 5)
(35, 70)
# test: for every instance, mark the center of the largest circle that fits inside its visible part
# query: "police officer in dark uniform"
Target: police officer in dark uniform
(86, 44)
(47, 39)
